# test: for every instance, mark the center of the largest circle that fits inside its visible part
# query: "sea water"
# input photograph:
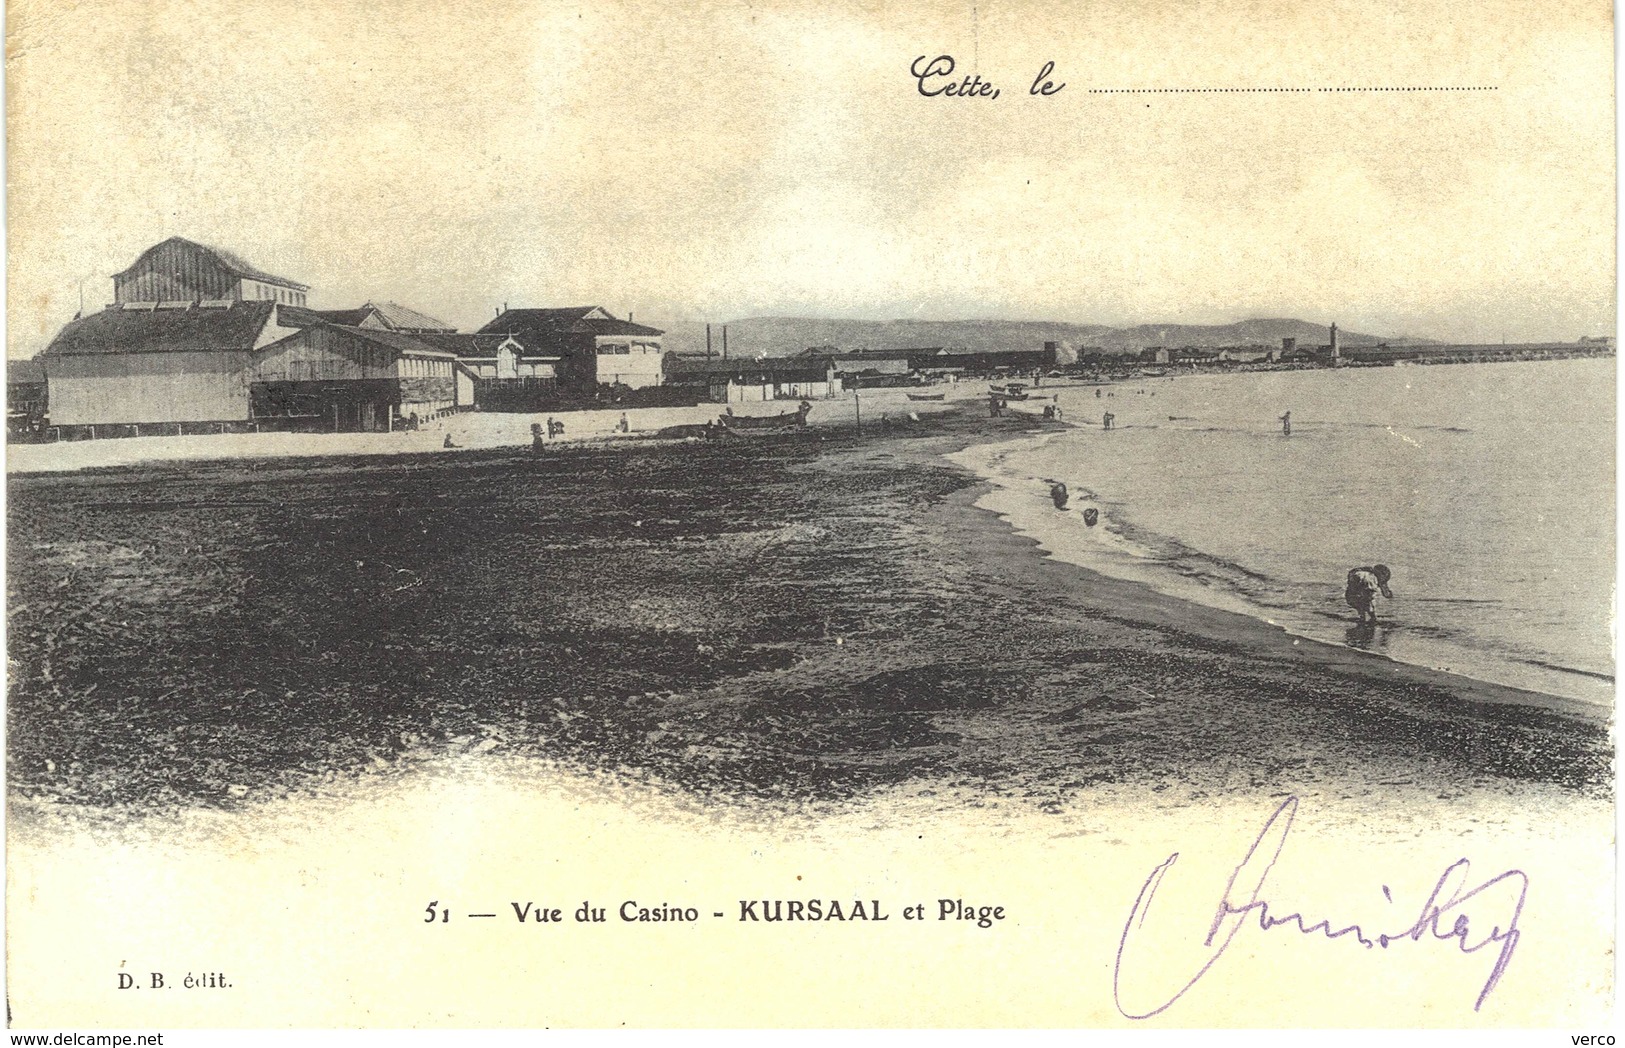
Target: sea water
(1488, 489)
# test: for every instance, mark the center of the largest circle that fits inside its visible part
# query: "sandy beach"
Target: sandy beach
(814, 638)
(815, 615)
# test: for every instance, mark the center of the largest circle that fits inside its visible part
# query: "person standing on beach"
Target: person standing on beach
(1362, 588)
(1286, 424)
(1106, 420)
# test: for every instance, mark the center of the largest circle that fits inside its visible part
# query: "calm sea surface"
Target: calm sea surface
(1487, 488)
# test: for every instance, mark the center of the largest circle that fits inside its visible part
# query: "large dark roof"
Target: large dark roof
(570, 320)
(229, 261)
(621, 327)
(191, 330)
(515, 320)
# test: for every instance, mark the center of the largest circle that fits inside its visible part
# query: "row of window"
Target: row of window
(418, 367)
(283, 295)
(623, 349)
(336, 370)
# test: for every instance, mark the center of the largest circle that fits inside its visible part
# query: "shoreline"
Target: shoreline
(809, 619)
(1135, 602)
(1143, 598)
(1240, 565)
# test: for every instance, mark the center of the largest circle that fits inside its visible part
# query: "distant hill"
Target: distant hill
(783, 336)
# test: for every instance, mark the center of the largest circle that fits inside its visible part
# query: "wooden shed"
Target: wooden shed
(334, 378)
(152, 366)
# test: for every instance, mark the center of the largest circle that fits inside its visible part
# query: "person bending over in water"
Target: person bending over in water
(1363, 586)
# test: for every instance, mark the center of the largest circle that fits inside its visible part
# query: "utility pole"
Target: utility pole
(857, 409)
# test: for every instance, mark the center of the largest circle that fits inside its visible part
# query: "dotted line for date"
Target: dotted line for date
(1262, 90)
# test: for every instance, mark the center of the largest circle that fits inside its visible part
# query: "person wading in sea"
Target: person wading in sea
(1363, 587)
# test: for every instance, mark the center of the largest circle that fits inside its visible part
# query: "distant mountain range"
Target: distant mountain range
(783, 336)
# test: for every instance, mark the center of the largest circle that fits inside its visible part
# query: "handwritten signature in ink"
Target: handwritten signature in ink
(1442, 917)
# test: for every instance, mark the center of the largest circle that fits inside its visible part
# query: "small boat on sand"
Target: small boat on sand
(786, 420)
(925, 396)
(707, 431)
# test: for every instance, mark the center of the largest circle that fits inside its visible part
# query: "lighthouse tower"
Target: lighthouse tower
(1336, 353)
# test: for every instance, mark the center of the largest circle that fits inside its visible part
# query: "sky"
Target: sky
(713, 161)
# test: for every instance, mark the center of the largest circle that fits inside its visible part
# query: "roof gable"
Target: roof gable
(571, 320)
(227, 260)
(478, 346)
(401, 318)
(539, 320)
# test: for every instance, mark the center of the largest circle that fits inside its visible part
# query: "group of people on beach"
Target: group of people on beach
(555, 430)
(1360, 589)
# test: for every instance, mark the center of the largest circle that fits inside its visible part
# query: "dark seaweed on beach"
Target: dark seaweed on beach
(810, 617)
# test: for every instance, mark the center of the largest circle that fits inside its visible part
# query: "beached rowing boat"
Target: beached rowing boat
(787, 420)
(706, 431)
(925, 396)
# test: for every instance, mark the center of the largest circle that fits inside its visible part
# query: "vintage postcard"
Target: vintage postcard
(866, 515)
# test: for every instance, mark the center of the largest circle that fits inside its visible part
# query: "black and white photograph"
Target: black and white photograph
(870, 516)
